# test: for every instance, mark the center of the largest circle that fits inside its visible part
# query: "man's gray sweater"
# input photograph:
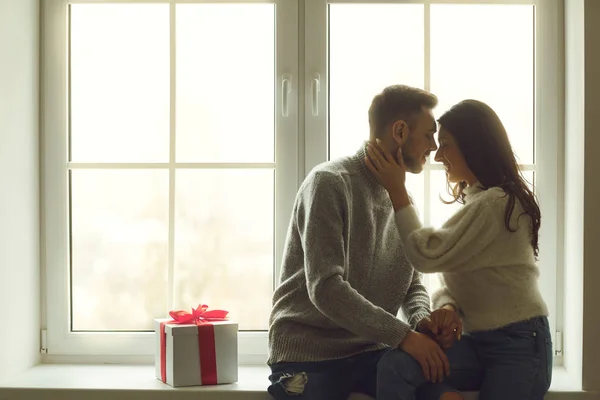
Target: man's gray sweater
(344, 275)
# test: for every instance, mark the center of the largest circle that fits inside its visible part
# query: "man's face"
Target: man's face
(419, 142)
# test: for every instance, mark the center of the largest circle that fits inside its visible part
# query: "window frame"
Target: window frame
(548, 163)
(301, 136)
(61, 343)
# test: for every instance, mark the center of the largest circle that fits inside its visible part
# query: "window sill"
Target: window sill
(120, 382)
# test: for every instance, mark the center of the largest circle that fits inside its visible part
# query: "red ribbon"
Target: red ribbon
(206, 340)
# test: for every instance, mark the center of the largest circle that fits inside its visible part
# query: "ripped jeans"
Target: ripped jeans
(384, 374)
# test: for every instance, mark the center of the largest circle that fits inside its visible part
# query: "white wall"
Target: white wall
(19, 187)
(582, 191)
(591, 257)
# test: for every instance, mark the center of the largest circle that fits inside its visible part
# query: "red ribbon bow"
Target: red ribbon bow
(206, 339)
(198, 316)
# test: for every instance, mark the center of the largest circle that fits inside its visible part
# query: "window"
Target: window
(457, 50)
(174, 142)
(439, 51)
(168, 180)
(169, 226)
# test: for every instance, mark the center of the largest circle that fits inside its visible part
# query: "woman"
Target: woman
(486, 254)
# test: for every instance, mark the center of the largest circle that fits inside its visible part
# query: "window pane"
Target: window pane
(119, 82)
(224, 242)
(225, 82)
(440, 212)
(386, 50)
(432, 281)
(119, 236)
(486, 52)
(416, 190)
(530, 179)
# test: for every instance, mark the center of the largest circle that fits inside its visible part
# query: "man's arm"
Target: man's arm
(416, 302)
(446, 321)
(320, 217)
(321, 214)
(421, 319)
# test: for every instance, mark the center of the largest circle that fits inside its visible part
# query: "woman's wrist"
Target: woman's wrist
(399, 197)
(450, 307)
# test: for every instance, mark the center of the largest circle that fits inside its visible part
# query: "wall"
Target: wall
(582, 190)
(591, 255)
(19, 185)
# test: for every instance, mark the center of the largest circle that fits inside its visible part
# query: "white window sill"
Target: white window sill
(76, 381)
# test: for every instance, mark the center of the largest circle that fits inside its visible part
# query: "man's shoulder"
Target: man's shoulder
(333, 173)
(341, 165)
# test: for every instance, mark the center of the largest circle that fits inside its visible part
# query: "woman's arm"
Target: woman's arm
(442, 298)
(449, 249)
(461, 238)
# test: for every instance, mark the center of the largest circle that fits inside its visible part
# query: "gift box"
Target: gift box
(198, 348)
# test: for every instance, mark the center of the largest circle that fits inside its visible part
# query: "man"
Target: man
(334, 327)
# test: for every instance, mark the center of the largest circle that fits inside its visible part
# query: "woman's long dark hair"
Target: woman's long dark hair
(483, 141)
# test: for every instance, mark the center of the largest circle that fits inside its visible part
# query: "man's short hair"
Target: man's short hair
(397, 102)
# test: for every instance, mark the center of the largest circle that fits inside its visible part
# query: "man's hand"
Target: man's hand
(446, 326)
(426, 325)
(427, 353)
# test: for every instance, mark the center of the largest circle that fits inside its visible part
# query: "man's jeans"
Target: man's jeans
(513, 362)
(386, 374)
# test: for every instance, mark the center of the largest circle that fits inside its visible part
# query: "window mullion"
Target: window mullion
(286, 130)
(316, 83)
(427, 86)
(172, 147)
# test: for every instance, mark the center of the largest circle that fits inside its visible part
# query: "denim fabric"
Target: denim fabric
(513, 362)
(386, 375)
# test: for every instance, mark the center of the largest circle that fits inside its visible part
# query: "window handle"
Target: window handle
(315, 87)
(286, 88)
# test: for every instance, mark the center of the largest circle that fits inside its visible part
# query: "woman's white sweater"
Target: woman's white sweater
(487, 272)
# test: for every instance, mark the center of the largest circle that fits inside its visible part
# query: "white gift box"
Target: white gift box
(194, 355)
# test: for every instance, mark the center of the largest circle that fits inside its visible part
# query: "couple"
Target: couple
(355, 252)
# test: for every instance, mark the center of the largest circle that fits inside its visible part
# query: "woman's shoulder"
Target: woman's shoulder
(493, 201)
(495, 193)
(492, 197)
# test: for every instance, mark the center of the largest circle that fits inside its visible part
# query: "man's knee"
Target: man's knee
(291, 384)
(399, 364)
(295, 382)
(451, 396)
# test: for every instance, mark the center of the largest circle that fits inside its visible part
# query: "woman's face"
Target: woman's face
(450, 155)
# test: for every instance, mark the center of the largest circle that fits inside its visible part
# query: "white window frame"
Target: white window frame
(63, 345)
(549, 132)
(301, 137)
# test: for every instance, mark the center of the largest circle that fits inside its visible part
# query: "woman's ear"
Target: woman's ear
(400, 131)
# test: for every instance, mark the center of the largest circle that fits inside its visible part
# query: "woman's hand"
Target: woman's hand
(381, 163)
(389, 173)
(446, 325)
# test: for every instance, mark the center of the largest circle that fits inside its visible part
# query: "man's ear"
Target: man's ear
(400, 131)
